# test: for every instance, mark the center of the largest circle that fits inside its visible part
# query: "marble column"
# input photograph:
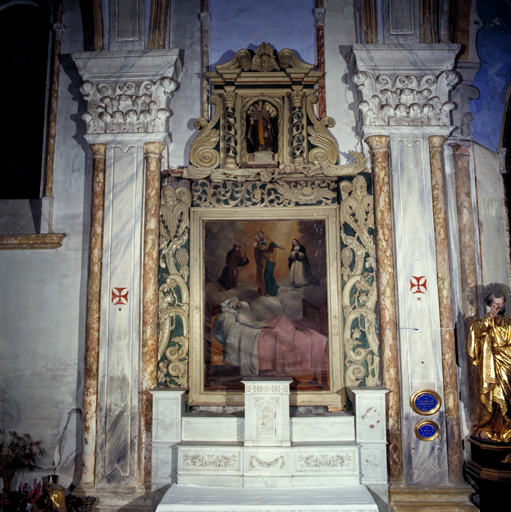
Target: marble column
(319, 17)
(445, 300)
(205, 18)
(90, 387)
(466, 227)
(58, 28)
(379, 146)
(468, 239)
(153, 157)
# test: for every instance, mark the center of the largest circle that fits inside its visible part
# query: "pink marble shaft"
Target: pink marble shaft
(378, 145)
(466, 228)
(205, 63)
(90, 388)
(455, 461)
(461, 153)
(153, 155)
(54, 96)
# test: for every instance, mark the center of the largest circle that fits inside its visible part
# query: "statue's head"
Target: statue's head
(496, 300)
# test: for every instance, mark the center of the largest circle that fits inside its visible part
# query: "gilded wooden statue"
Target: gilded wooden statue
(489, 346)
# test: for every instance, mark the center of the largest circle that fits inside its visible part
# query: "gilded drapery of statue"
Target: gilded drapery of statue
(489, 346)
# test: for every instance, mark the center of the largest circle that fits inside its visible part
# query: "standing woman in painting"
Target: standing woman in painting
(265, 257)
(299, 269)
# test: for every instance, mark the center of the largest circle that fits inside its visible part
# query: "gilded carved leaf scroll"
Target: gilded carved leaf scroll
(358, 259)
(173, 292)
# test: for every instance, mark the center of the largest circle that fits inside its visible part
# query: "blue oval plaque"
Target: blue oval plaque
(425, 402)
(427, 430)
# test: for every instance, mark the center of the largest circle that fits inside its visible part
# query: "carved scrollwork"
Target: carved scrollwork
(275, 194)
(406, 100)
(174, 301)
(325, 149)
(202, 152)
(287, 169)
(288, 59)
(358, 259)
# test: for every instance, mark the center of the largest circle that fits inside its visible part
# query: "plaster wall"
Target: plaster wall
(43, 298)
(185, 105)
(492, 217)
(341, 92)
(246, 24)
(494, 78)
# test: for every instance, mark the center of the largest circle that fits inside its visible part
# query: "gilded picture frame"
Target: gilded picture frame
(265, 300)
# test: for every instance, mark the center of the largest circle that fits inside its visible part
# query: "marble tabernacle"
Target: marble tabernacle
(269, 460)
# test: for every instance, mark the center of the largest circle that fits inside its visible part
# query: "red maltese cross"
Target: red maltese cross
(418, 283)
(119, 296)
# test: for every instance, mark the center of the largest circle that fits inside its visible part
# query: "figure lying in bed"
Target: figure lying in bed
(278, 344)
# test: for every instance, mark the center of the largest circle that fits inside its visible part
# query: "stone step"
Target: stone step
(190, 498)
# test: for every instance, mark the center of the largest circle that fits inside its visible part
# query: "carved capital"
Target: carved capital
(406, 100)
(204, 18)
(230, 99)
(378, 142)
(128, 92)
(128, 107)
(98, 150)
(59, 29)
(297, 98)
(154, 149)
(319, 15)
(436, 144)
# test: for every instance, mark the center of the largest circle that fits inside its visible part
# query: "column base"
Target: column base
(449, 498)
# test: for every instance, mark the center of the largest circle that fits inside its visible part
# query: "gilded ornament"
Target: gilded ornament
(358, 257)
(325, 149)
(426, 402)
(274, 194)
(427, 430)
(173, 292)
(264, 59)
(202, 151)
(489, 347)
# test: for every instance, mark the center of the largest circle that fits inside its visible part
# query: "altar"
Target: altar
(268, 459)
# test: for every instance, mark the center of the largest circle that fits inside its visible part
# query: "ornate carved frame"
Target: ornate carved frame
(197, 395)
(308, 179)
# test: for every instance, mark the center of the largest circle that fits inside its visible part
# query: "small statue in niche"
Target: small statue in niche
(489, 346)
(261, 132)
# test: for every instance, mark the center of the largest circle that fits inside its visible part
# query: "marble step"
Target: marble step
(190, 498)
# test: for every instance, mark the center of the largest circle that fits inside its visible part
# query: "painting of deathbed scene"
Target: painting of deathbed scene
(266, 303)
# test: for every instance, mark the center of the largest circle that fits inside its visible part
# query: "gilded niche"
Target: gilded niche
(257, 126)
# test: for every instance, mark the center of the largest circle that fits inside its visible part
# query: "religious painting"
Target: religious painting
(265, 303)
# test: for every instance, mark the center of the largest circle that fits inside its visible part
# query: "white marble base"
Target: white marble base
(190, 498)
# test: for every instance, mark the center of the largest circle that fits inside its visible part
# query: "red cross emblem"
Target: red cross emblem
(119, 296)
(419, 285)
